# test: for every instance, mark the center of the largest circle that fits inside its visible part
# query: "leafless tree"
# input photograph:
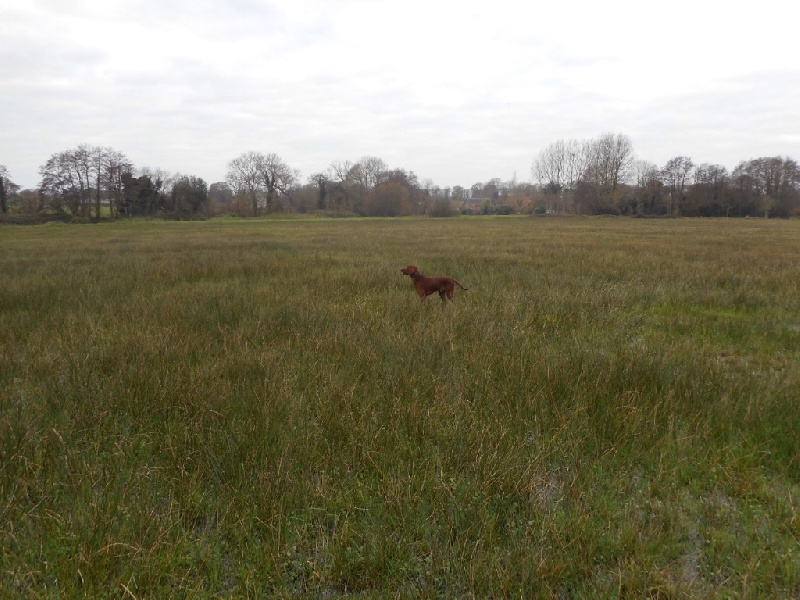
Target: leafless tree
(558, 169)
(277, 177)
(610, 160)
(577, 154)
(389, 199)
(367, 172)
(258, 176)
(71, 177)
(66, 180)
(707, 194)
(339, 170)
(607, 163)
(647, 187)
(774, 176)
(244, 177)
(549, 167)
(112, 165)
(348, 183)
(676, 176)
(335, 186)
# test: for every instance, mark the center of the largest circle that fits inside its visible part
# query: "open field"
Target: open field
(264, 408)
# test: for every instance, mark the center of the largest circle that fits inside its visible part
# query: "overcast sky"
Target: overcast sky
(457, 92)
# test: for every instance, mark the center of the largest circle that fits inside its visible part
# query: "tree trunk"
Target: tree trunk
(3, 200)
(97, 198)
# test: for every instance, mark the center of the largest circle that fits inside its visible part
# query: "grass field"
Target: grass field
(263, 408)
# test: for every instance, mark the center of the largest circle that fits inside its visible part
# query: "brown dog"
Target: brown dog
(446, 286)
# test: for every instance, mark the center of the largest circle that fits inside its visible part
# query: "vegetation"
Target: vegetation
(264, 408)
(601, 176)
(587, 177)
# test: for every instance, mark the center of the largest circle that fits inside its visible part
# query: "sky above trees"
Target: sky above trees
(456, 92)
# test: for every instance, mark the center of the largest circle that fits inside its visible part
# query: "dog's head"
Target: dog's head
(410, 270)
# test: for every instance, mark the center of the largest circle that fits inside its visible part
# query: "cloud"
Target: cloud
(743, 117)
(455, 92)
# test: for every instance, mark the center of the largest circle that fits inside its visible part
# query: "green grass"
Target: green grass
(263, 408)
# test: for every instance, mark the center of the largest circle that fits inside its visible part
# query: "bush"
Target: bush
(335, 214)
(442, 207)
(498, 209)
(36, 219)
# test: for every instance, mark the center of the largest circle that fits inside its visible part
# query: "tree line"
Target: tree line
(602, 176)
(595, 176)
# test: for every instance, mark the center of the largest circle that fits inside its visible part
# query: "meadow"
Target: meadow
(264, 408)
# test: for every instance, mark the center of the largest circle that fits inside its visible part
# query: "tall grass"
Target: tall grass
(264, 408)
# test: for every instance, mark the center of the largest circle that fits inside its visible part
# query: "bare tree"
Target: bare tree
(389, 199)
(335, 186)
(66, 180)
(258, 176)
(773, 176)
(647, 188)
(106, 166)
(96, 161)
(549, 167)
(608, 165)
(30, 202)
(610, 160)
(339, 170)
(576, 156)
(707, 195)
(277, 178)
(367, 172)
(676, 176)
(321, 182)
(348, 183)
(115, 164)
(558, 169)
(70, 178)
(244, 177)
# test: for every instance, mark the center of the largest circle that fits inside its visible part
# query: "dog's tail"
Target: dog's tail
(459, 285)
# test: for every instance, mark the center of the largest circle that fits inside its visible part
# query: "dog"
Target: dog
(446, 286)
